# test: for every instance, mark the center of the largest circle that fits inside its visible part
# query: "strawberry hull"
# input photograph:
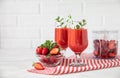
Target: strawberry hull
(105, 48)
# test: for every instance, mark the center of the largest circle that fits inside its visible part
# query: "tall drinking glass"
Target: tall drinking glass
(77, 42)
(61, 38)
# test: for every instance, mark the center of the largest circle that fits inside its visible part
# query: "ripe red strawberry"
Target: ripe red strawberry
(56, 46)
(54, 51)
(112, 55)
(39, 50)
(38, 66)
(45, 51)
(59, 53)
(112, 44)
(103, 43)
(96, 42)
(44, 59)
(104, 55)
(53, 59)
(95, 53)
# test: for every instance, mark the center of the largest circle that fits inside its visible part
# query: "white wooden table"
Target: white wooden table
(14, 63)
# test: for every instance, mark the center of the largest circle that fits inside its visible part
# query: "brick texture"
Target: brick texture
(27, 23)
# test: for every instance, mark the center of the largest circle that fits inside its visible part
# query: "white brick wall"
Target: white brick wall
(7, 20)
(26, 23)
(15, 7)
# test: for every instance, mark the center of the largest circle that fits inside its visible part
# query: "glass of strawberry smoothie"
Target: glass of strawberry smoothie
(61, 38)
(77, 42)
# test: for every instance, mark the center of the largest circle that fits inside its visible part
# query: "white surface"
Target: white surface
(15, 62)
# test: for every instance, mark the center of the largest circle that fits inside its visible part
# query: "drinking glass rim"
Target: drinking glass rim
(105, 31)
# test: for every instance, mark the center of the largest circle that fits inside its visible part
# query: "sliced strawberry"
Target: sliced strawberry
(38, 66)
(54, 51)
(45, 51)
(39, 50)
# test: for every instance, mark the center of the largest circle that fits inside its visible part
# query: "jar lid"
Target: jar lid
(105, 31)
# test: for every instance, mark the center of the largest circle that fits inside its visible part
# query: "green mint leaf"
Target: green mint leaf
(61, 23)
(77, 26)
(70, 16)
(80, 23)
(57, 19)
(84, 24)
(52, 45)
(67, 20)
(46, 44)
(84, 20)
(61, 19)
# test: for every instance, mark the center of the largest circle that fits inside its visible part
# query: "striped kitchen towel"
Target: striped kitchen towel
(91, 64)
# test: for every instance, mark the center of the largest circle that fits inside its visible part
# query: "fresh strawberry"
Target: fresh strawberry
(112, 44)
(103, 43)
(59, 53)
(53, 59)
(45, 51)
(96, 42)
(38, 66)
(56, 46)
(39, 50)
(44, 59)
(112, 55)
(96, 53)
(104, 55)
(54, 51)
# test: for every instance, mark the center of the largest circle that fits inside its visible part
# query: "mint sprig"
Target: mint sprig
(80, 24)
(68, 21)
(64, 22)
(60, 21)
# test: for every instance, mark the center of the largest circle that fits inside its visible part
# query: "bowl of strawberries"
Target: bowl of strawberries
(49, 54)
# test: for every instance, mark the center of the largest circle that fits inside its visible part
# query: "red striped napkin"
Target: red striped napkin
(91, 64)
